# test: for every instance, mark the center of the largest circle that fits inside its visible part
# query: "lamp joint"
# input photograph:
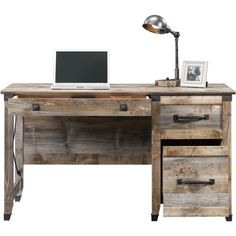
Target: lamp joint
(175, 34)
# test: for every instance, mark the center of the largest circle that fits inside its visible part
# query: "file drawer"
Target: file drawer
(195, 181)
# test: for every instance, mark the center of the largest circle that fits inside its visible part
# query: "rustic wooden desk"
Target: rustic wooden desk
(185, 133)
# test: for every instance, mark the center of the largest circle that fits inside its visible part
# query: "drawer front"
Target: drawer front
(195, 181)
(191, 121)
(80, 106)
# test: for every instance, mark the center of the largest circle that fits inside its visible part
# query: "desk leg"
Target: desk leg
(19, 149)
(156, 160)
(8, 165)
(226, 141)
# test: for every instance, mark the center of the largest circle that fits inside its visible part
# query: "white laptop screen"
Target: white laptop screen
(81, 67)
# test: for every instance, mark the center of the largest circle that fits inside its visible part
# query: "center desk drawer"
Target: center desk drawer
(191, 119)
(80, 106)
(195, 181)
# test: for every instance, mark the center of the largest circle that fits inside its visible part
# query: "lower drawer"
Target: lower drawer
(195, 181)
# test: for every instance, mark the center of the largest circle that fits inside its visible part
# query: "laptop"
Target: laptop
(81, 70)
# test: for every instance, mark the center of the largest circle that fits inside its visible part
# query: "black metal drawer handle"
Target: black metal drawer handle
(186, 119)
(123, 107)
(181, 182)
(36, 107)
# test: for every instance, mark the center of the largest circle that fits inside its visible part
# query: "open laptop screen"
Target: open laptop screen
(81, 67)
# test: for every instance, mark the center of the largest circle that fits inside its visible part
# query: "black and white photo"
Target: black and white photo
(194, 74)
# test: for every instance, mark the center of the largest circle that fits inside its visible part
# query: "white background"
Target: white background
(108, 200)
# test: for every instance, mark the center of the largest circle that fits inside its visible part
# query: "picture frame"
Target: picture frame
(194, 74)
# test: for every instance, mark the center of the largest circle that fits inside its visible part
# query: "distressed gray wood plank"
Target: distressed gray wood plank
(80, 107)
(192, 151)
(42, 89)
(8, 163)
(201, 133)
(191, 100)
(195, 211)
(106, 139)
(195, 168)
(17, 188)
(226, 141)
(19, 152)
(195, 199)
(156, 158)
(214, 112)
(86, 159)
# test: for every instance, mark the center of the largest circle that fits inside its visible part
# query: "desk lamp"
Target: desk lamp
(157, 24)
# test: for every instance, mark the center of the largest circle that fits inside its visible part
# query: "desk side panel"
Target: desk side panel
(87, 140)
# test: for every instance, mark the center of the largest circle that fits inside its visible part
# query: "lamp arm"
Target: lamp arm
(176, 35)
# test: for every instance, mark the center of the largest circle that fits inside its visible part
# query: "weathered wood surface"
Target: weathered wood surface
(191, 100)
(8, 163)
(195, 199)
(198, 168)
(80, 107)
(226, 141)
(17, 188)
(156, 158)
(203, 133)
(94, 159)
(199, 129)
(214, 112)
(192, 151)
(195, 211)
(116, 89)
(87, 140)
(19, 152)
(199, 199)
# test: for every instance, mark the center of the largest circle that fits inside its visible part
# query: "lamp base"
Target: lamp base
(167, 82)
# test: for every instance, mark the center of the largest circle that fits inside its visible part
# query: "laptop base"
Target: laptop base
(80, 87)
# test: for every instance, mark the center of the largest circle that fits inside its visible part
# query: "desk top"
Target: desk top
(43, 89)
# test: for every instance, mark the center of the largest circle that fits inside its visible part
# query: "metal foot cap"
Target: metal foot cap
(154, 217)
(17, 198)
(229, 218)
(7, 216)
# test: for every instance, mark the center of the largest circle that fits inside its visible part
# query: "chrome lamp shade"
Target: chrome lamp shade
(156, 24)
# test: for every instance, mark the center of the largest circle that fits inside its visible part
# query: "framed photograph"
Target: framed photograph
(194, 74)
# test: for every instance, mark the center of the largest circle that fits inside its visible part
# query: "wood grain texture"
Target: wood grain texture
(17, 188)
(156, 158)
(197, 199)
(193, 211)
(87, 159)
(192, 151)
(226, 141)
(44, 90)
(19, 152)
(87, 140)
(203, 133)
(8, 163)
(214, 112)
(191, 100)
(197, 168)
(80, 107)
